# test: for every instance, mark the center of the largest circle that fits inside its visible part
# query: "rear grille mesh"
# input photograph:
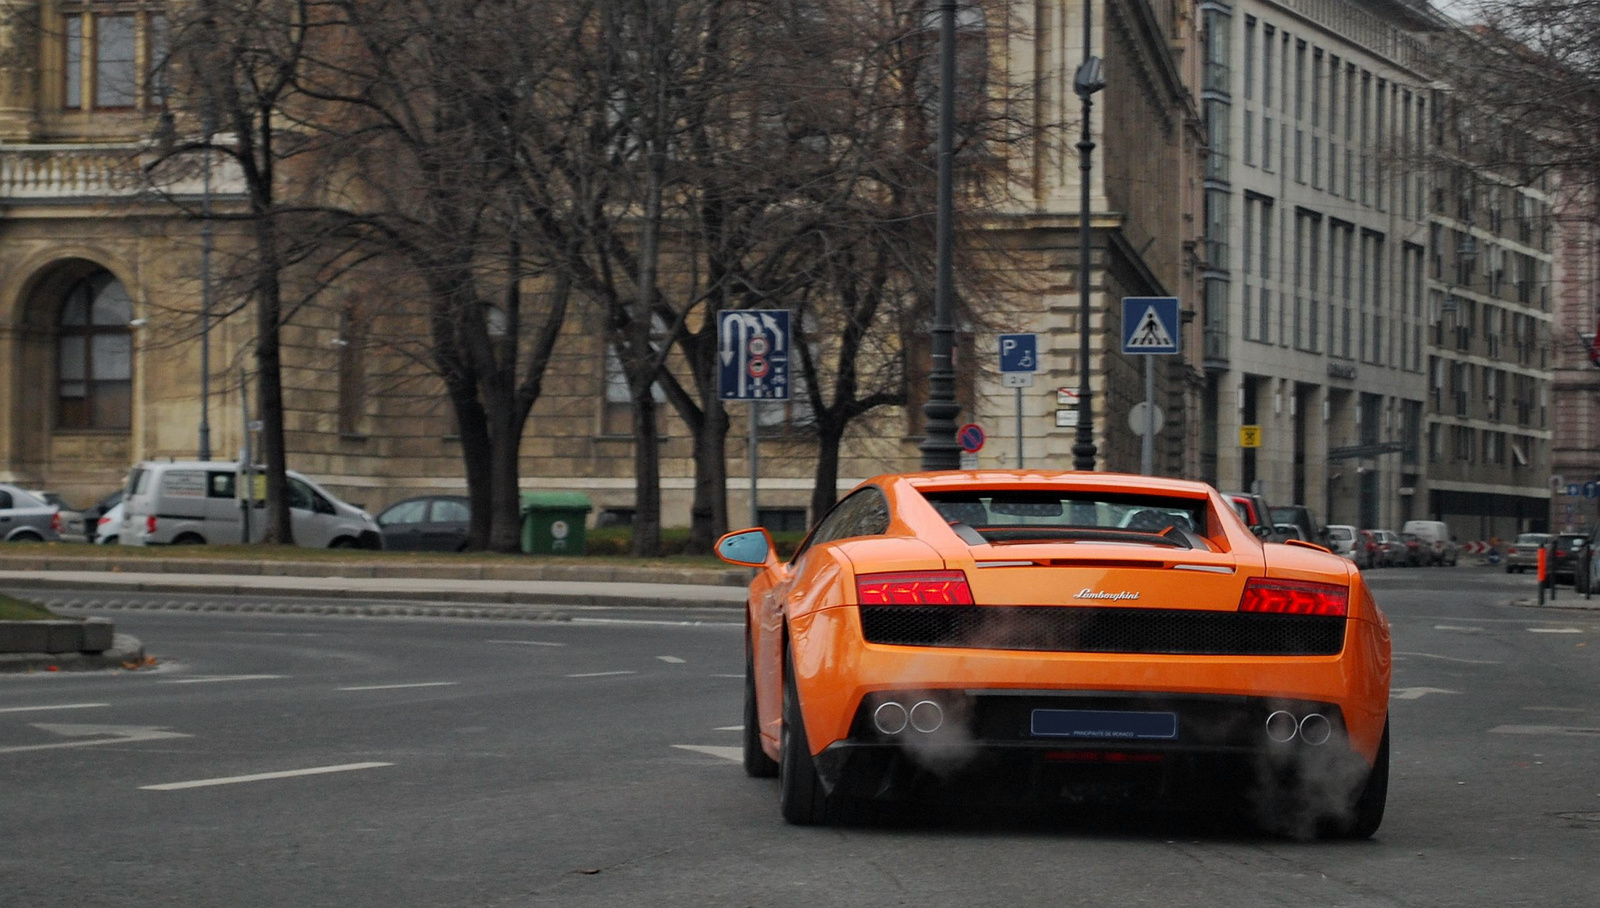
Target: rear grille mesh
(1073, 629)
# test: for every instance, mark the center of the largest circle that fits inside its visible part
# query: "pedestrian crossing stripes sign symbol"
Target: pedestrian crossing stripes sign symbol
(1150, 324)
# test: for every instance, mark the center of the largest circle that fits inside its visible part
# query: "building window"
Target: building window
(94, 356)
(107, 55)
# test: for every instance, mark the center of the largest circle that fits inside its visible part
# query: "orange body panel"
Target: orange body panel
(810, 607)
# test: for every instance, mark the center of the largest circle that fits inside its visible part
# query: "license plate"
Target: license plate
(1103, 723)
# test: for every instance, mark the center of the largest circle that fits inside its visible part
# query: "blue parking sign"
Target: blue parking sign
(1019, 353)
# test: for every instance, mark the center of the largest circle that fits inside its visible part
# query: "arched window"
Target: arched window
(94, 356)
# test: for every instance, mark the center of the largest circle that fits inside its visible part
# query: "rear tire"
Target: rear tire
(757, 765)
(1369, 805)
(189, 539)
(800, 793)
(343, 542)
(26, 537)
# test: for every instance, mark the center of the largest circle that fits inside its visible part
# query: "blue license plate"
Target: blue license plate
(1105, 723)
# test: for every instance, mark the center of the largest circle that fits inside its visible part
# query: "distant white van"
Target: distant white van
(1436, 536)
(198, 502)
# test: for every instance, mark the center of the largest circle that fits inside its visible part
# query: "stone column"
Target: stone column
(19, 68)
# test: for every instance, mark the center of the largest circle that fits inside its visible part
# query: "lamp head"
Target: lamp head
(1090, 77)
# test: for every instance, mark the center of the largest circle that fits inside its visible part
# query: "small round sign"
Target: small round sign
(757, 367)
(757, 345)
(971, 437)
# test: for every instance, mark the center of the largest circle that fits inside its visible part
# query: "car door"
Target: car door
(8, 521)
(311, 515)
(864, 512)
(449, 520)
(401, 525)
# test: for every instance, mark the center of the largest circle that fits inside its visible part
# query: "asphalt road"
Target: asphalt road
(591, 762)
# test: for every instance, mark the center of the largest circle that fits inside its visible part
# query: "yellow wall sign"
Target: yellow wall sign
(1249, 436)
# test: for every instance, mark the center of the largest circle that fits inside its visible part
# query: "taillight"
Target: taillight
(102, 521)
(55, 522)
(919, 588)
(1294, 597)
(150, 525)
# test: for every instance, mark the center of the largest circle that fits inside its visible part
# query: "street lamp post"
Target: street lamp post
(939, 448)
(1090, 78)
(208, 123)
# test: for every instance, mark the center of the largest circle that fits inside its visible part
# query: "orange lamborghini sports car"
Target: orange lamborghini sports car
(1062, 638)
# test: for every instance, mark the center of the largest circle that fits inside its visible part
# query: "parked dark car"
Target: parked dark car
(92, 514)
(1311, 529)
(1570, 549)
(429, 523)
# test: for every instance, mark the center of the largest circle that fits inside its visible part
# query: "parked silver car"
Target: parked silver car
(72, 525)
(1523, 552)
(26, 518)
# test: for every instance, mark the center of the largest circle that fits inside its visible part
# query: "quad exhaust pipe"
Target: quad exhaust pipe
(892, 718)
(1313, 728)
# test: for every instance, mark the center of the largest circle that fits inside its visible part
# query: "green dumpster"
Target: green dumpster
(553, 522)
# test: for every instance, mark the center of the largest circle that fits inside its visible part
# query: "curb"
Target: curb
(499, 598)
(124, 648)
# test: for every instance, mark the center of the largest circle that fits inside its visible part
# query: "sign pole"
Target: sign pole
(1147, 447)
(1019, 429)
(755, 462)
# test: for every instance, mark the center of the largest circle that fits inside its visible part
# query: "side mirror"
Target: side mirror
(747, 548)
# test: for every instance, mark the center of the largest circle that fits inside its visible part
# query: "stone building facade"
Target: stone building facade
(100, 290)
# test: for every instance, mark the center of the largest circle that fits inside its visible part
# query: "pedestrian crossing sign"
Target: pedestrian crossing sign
(1149, 324)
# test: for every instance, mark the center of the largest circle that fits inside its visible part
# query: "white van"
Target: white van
(1436, 536)
(197, 502)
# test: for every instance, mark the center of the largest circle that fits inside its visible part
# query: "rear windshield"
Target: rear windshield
(1028, 515)
(1340, 533)
(1533, 539)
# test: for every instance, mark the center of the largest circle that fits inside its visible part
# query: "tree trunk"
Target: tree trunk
(829, 436)
(708, 515)
(505, 437)
(269, 377)
(472, 429)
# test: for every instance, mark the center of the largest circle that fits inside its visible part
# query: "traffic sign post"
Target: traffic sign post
(1019, 359)
(753, 365)
(1149, 328)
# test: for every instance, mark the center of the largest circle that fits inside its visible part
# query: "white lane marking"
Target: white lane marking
(1554, 709)
(1545, 730)
(1417, 693)
(729, 728)
(29, 709)
(1450, 658)
(1458, 628)
(207, 679)
(670, 660)
(728, 676)
(276, 633)
(733, 754)
(527, 642)
(262, 776)
(399, 686)
(1554, 630)
(119, 734)
(642, 622)
(600, 674)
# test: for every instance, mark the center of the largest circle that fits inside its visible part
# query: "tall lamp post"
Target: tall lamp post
(939, 448)
(1090, 78)
(208, 122)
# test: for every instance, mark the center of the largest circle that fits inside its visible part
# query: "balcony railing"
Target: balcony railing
(79, 173)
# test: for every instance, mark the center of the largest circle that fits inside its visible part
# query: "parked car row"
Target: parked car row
(201, 502)
(1420, 543)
